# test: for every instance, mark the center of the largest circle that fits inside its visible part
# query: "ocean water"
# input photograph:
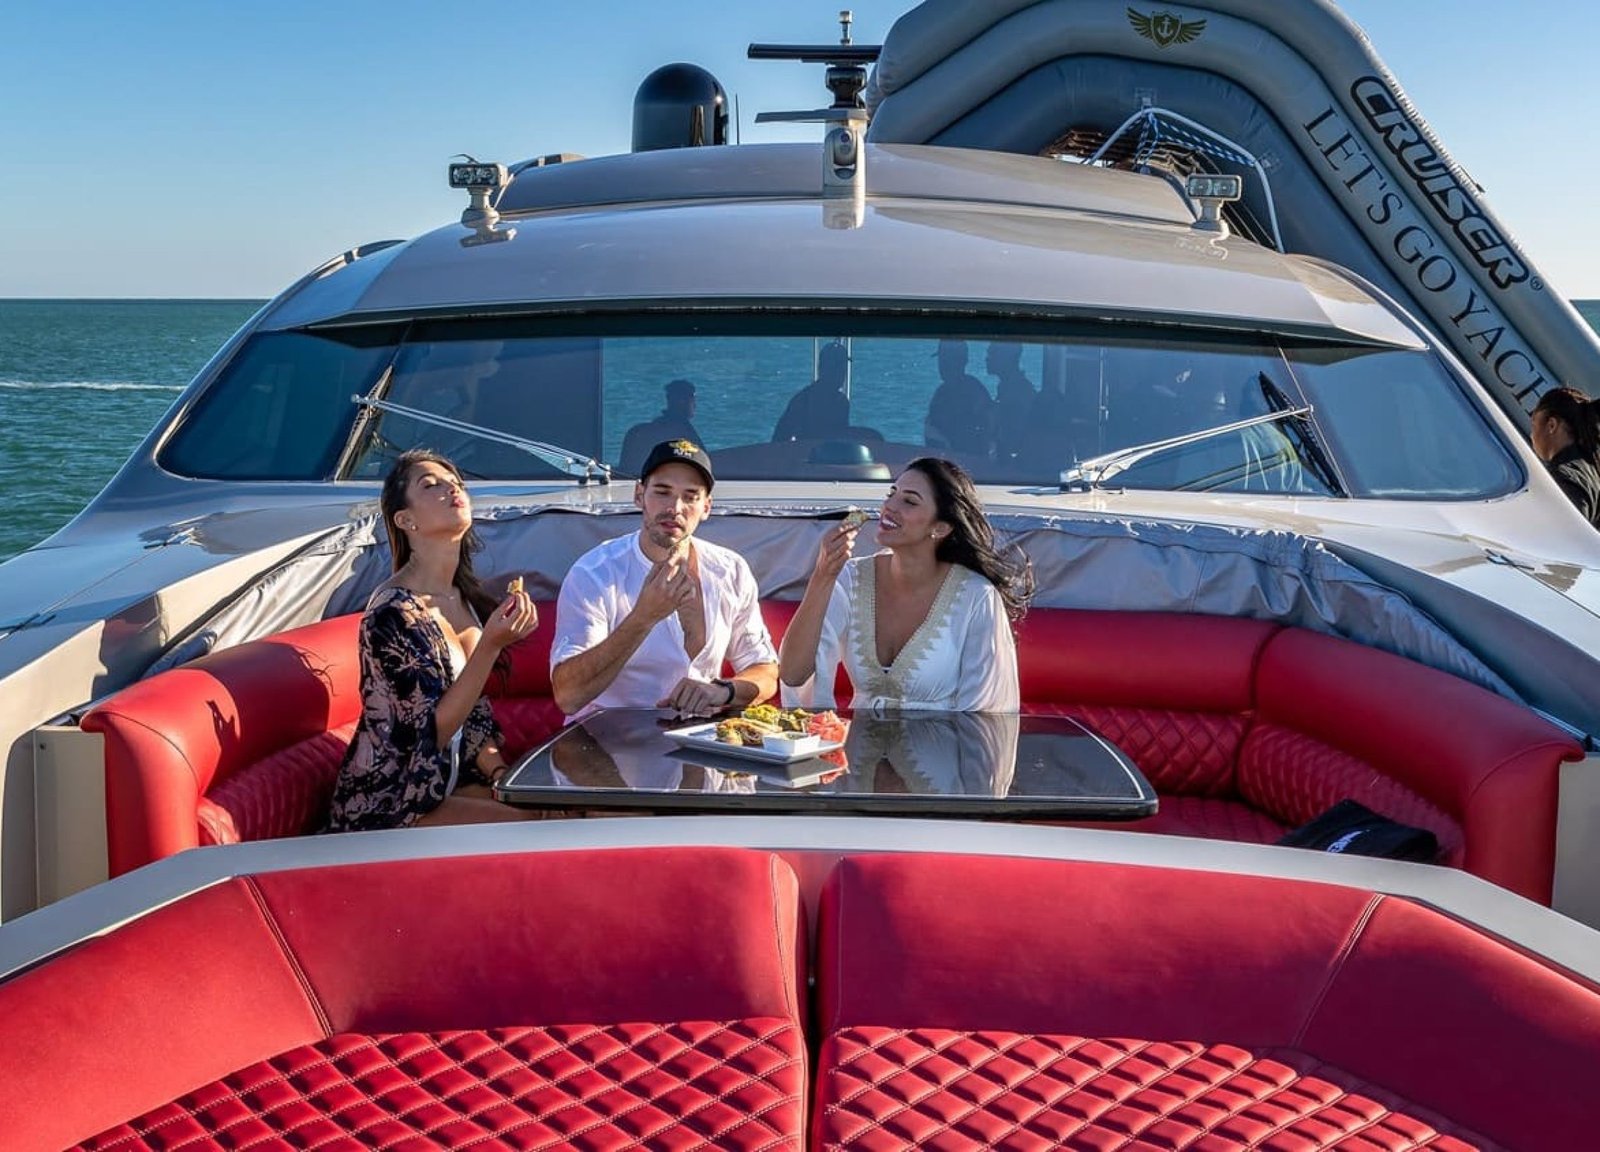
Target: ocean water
(82, 382)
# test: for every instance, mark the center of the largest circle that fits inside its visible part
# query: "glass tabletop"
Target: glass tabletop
(918, 763)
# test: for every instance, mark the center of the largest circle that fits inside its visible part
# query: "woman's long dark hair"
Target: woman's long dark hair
(1580, 414)
(393, 500)
(970, 542)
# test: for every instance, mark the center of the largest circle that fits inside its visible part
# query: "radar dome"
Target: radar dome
(679, 106)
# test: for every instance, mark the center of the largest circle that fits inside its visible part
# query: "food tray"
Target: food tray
(704, 737)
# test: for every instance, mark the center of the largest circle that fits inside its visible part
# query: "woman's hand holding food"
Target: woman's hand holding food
(835, 549)
(511, 621)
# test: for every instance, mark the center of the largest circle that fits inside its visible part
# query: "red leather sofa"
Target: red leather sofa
(1245, 727)
(988, 1002)
(528, 1001)
(662, 997)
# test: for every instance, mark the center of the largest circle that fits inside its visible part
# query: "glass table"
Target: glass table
(909, 763)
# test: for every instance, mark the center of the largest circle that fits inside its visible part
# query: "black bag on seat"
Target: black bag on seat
(1356, 830)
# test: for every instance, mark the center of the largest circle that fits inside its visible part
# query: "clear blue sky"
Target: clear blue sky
(225, 147)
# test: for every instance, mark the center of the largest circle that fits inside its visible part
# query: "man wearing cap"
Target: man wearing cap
(647, 619)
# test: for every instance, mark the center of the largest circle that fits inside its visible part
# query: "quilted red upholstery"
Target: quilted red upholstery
(170, 739)
(1268, 725)
(285, 793)
(692, 1085)
(931, 1087)
(245, 744)
(1043, 1003)
(532, 998)
(1180, 753)
(1490, 765)
(1291, 777)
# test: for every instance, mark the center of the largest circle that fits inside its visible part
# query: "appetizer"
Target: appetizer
(855, 518)
(514, 585)
(759, 721)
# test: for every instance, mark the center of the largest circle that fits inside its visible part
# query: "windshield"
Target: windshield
(856, 402)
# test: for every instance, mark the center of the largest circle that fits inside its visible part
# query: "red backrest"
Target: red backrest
(777, 614)
(171, 738)
(528, 669)
(1479, 770)
(253, 968)
(520, 696)
(1094, 1001)
(1174, 691)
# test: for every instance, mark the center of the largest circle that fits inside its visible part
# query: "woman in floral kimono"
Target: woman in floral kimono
(427, 749)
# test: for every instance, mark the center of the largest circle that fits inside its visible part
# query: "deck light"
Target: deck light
(481, 181)
(1212, 192)
(474, 175)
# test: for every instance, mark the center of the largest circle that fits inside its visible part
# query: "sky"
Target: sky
(223, 148)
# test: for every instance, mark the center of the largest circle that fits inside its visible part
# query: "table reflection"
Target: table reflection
(935, 753)
(626, 748)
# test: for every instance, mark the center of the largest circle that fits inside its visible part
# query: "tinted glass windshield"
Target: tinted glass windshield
(857, 403)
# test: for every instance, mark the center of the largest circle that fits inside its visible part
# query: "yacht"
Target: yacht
(1239, 358)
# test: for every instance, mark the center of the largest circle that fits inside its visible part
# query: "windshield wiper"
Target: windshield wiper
(1096, 470)
(1304, 432)
(575, 464)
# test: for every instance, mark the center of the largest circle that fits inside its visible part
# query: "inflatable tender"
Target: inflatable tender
(1338, 164)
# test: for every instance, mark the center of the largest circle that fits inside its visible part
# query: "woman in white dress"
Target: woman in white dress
(924, 623)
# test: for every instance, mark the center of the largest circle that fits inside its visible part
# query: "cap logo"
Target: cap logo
(685, 447)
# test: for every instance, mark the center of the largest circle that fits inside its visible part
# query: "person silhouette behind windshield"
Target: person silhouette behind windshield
(820, 410)
(674, 423)
(961, 412)
(1013, 396)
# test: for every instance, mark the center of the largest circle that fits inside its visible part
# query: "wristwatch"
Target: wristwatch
(733, 693)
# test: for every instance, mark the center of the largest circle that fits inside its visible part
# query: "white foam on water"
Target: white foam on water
(88, 386)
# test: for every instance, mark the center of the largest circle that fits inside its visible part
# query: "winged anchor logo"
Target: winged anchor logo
(1165, 29)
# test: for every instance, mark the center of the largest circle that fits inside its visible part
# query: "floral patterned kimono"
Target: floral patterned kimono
(395, 771)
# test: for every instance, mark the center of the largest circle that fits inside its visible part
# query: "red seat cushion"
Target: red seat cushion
(1210, 818)
(1491, 764)
(964, 997)
(606, 993)
(688, 1084)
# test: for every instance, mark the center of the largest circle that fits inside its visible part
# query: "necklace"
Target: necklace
(450, 593)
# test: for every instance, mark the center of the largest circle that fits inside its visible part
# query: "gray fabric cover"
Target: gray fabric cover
(1078, 563)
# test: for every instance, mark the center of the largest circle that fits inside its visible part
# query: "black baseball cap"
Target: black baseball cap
(679, 452)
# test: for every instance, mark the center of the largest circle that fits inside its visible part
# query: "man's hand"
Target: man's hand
(669, 587)
(695, 698)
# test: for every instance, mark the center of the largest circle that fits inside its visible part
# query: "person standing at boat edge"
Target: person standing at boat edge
(1566, 436)
(647, 619)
